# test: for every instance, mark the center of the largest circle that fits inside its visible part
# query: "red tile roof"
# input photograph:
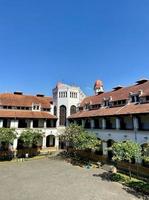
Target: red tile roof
(8, 99)
(25, 114)
(127, 109)
(119, 94)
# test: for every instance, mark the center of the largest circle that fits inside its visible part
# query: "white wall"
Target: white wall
(121, 135)
(66, 101)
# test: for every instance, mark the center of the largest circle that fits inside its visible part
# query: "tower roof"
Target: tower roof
(98, 84)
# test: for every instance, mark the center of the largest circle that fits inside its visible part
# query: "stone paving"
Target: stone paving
(50, 179)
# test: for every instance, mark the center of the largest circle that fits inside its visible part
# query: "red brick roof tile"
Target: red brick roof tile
(125, 110)
(25, 114)
(119, 94)
(8, 99)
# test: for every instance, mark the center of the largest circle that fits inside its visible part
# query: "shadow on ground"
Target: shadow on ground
(107, 176)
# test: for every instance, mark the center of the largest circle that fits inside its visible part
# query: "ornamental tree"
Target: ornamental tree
(79, 138)
(146, 152)
(7, 135)
(126, 151)
(31, 137)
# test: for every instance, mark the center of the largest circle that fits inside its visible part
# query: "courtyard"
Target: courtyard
(55, 179)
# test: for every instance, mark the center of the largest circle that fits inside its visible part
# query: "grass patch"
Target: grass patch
(136, 184)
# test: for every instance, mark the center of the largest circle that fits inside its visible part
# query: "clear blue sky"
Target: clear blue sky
(74, 41)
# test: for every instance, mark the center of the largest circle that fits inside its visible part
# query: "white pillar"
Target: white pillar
(135, 123)
(92, 124)
(1, 123)
(104, 148)
(83, 123)
(31, 123)
(103, 123)
(67, 122)
(57, 142)
(117, 123)
(44, 142)
(45, 124)
(14, 123)
(15, 143)
(28, 123)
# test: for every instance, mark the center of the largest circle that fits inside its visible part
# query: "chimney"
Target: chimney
(18, 93)
(39, 95)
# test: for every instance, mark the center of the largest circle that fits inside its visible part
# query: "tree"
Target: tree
(79, 138)
(126, 151)
(31, 137)
(146, 153)
(7, 135)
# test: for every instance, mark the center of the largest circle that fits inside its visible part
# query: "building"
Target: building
(117, 115)
(48, 114)
(21, 111)
(66, 100)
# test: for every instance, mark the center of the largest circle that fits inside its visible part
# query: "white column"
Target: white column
(117, 123)
(67, 122)
(83, 123)
(135, 123)
(14, 123)
(31, 123)
(15, 143)
(44, 142)
(104, 148)
(57, 142)
(92, 124)
(45, 124)
(1, 123)
(28, 123)
(103, 123)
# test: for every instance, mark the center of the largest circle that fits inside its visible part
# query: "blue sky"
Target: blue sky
(74, 41)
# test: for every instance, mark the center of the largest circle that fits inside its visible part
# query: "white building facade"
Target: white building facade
(119, 115)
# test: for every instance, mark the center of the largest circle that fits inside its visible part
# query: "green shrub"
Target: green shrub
(136, 184)
(119, 178)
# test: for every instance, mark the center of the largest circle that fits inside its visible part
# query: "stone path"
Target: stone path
(49, 179)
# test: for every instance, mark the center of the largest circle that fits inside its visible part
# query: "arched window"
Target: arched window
(55, 110)
(62, 116)
(72, 110)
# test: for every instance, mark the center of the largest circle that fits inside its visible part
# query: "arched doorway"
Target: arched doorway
(62, 121)
(109, 146)
(72, 109)
(50, 141)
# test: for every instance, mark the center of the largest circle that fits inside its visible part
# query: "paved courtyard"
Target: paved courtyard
(47, 179)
